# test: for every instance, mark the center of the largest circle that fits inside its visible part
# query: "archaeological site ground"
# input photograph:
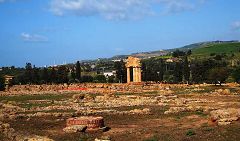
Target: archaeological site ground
(128, 112)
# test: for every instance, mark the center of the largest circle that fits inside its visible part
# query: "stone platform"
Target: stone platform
(91, 122)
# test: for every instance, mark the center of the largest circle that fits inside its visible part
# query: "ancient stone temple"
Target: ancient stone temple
(133, 66)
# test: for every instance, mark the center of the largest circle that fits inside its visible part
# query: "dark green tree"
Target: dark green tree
(111, 79)
(36, 75)
(218, 57)
(100, 79)
(200, 69)
(153, 69)
(121, 71)
(178, 53)
(160, 69)
(78, 71)
(189, 52)
(178, 72)
(53, 75)
(236, 75)
(73, 75)
(186, 69)
(62, 74)
(218, 75)
(28, 75)
(144, 69)
(87, 78)
(2, 83)
(45, 76)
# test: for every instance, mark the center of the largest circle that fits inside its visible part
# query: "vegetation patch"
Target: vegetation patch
(200, 113)
(22, 98)
(30, 105)
(217, 49)
(190, 132)
(153, 138)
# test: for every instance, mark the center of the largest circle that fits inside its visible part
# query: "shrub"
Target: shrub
(100, 79)
(2, 83)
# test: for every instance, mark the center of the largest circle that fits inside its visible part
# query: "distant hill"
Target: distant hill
(198, 49)
(201, 44)
(222, 48)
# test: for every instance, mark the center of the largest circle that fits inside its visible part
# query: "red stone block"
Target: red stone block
(90, 122)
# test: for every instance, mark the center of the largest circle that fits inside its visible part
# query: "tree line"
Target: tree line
(50, 75)
(179, 69)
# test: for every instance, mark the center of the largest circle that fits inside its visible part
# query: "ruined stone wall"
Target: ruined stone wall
(90, 87)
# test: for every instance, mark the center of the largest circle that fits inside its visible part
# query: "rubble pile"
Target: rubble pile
(225, 116)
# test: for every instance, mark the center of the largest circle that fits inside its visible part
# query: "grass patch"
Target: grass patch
(205, 127)
(180, 115)
(151, 92)
(153, 138)
(23, 98)
(50, 111)
(200, 113)
(30, 105)
(217, 49)
(61, 111)
(122, 93)
(1, 137)
(190, 132)
(177, 91)
(208, 129)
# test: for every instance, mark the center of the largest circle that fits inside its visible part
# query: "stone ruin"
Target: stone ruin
(80, 124)
(133, 66)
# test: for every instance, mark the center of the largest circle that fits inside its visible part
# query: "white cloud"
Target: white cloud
(236, 25)
(109, 9)
(176, 6)
(33, 37)
(120, 9)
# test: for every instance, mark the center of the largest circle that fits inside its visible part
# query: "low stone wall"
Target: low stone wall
(91, 87)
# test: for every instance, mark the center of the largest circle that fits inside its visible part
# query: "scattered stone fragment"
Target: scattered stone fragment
(78, 97)
(103, 138)
(222, 91)
(105, 128)
(226, 92)
(36, 138)
(225, 116)
(176, 110)
(75, 128)
(8, 132)
(139, 111)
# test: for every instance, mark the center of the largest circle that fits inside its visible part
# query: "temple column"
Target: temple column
(140, 75)
(134, 74)
(137, 77)
(128, 75)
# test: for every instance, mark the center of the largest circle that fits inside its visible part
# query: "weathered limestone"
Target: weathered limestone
(8, 79)
(133, 63)
(225, 116)
(36, 138)
(103, 138)
(75, 128)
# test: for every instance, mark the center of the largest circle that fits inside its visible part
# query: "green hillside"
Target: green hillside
(207, 50)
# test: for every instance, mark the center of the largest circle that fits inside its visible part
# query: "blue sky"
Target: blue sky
(46, 31)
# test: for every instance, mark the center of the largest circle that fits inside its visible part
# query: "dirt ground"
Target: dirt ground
(157, 125)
